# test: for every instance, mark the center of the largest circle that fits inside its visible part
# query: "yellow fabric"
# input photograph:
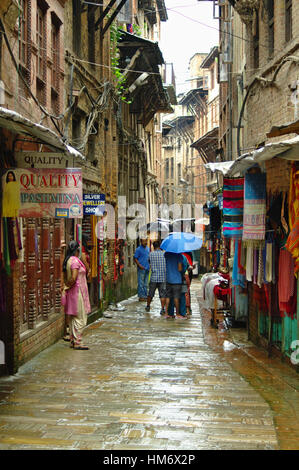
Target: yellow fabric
(11, 199)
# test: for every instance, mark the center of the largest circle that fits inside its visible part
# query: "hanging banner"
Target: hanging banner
(93, 201)
(42, 192)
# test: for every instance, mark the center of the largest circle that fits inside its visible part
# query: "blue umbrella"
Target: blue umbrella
(180, 242)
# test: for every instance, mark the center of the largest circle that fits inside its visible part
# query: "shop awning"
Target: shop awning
(18, 124)
(287, 149)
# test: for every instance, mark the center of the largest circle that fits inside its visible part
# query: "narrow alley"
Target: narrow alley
(151, 383)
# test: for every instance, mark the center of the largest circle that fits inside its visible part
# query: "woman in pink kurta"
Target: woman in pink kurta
(77, 304)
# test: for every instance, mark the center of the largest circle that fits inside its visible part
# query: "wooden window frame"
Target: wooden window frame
(41, 65)
(25, 41)
(288, 20)
(24, 34)
(256, 42)
(56, 60)
(271, 32)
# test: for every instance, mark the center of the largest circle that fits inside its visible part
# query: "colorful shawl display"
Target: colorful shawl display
(254, 220)
(233, 202)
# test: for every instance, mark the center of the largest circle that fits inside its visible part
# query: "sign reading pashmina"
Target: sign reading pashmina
(233, 202)
(254, 220)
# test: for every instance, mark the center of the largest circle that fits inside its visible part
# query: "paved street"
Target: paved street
(150, 383)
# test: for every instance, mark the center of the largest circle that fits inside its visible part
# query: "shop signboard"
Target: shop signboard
(41, 160)
(42, 192)
(93, 201)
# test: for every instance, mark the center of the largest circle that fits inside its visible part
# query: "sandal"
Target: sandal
(81, 347)
(66, 338)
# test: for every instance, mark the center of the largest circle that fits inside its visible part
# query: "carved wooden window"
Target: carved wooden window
(166, 168)
(23, 33)
(55, 67)
(24, 44)
(288, 20)
(41, 54)
(271, 27)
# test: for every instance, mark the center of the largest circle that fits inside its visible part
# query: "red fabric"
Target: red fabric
(259, 298)
(221, 294)
(224, 275)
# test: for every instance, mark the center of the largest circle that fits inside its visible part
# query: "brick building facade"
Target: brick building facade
(58, 68)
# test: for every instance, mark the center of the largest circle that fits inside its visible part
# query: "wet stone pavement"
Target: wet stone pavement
(149, 383)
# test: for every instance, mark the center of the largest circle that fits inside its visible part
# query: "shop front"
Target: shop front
(41, 195)
(260, 223)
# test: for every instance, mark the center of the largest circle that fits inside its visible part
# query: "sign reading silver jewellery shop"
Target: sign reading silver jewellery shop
(93, 204)
(42, 192)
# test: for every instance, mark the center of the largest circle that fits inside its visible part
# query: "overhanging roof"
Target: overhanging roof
(145, 55)
(18, 124)
(191, 95)
(207, 62)
(286, 149)
(129, 43)
(209, 138)
(182, 120)
(162, 10)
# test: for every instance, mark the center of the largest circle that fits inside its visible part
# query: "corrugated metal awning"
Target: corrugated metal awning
(18, 124)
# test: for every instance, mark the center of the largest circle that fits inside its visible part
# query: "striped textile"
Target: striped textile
(254, 220)
(233, 201)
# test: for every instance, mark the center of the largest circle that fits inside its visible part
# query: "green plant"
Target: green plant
(115, 36)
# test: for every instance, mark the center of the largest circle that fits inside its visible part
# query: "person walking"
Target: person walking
(75, 292)
(188, 278)
(184, 291)
(141, 259)
(174, 279)
(158, 277)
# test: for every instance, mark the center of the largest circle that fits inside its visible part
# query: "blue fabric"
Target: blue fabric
(158, 266)
(173, 275)
(255, 186)
(142, 254)
(238, 279)
(142, 276)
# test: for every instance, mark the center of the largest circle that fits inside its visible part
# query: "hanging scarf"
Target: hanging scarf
(286, 282)
(233, 202)
(254, 209)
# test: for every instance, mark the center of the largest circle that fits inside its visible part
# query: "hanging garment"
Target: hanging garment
(259, 298)
(233, 202)
(254, 220)
(249, 263)
(260, 275)
(294, 196)
(215, 219)
(11, 200)
(238, 276)
(286, 281)
(268, 261)
(241, 304)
